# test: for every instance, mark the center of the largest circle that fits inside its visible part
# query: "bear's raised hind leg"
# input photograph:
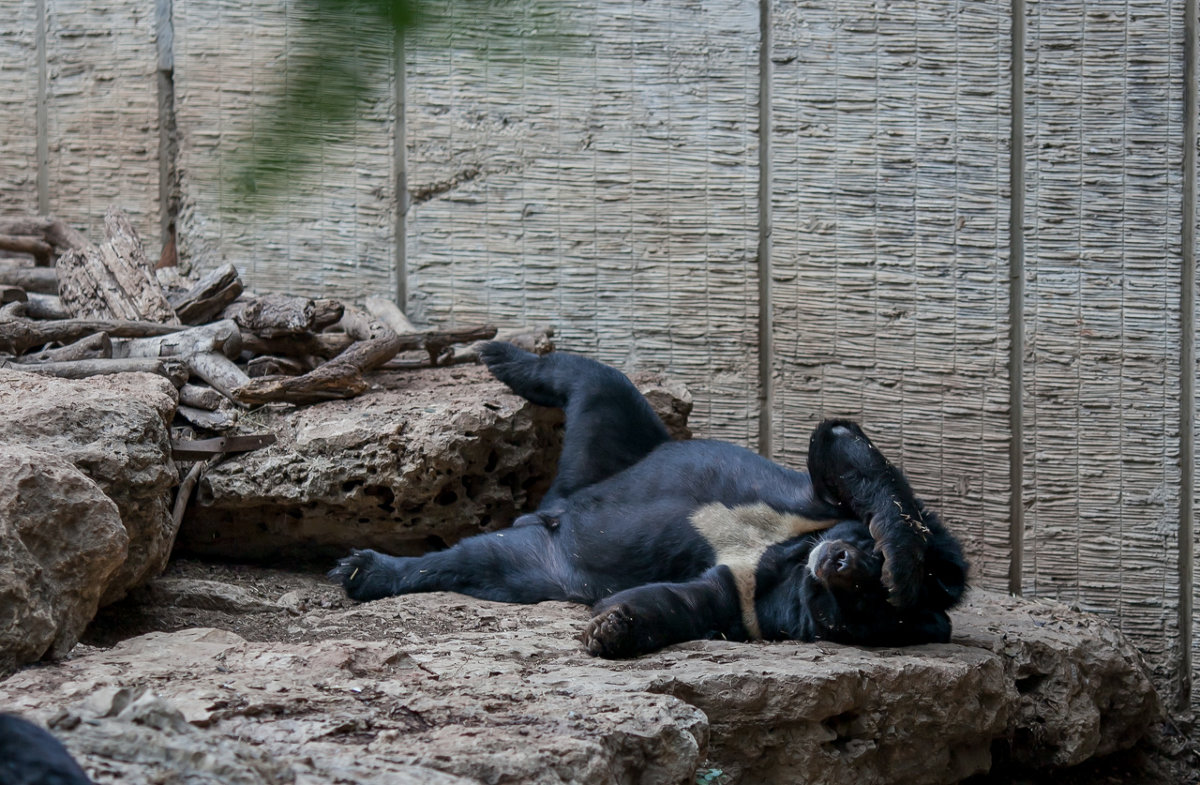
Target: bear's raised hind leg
(610, 425)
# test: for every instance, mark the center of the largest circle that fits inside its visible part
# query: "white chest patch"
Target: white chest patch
(740, 535)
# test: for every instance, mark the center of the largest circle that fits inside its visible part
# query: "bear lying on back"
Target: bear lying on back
(675, 541)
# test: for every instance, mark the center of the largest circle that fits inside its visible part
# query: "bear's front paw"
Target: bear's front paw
(903, 547)
(363, 575)
(610, 634)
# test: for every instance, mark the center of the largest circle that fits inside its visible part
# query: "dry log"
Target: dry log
(211, 294)
(10, 311)
(314, 387)
(267, 365)
(205, 350)
(172, 283)
(326, 313)
(436, 342)
(36, 247)
(45, 306)
(93, 347)
(188, 484)
(538, 341)
(222, 336)
(12, 294)
(362, 326)
(220, 372)
(322, 345)
(341, 377)
(390, 314)
(172, 369)
(200, 397)
(18, 334)
(277, 315)
(43, 280)
(218, 420)
(114, 279)
(60, 236)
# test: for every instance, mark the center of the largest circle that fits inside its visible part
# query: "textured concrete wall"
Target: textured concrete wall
(606, 186)
(889, 192)
(80, 81)
(1101, 388)
(332, 234)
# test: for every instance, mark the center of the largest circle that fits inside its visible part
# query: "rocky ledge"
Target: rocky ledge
(257, 676)
(85, 483)
(424, 459)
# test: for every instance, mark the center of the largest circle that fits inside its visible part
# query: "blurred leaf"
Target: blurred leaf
(339, 64)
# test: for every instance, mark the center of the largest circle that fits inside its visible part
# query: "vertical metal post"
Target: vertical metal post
(165, 39)
(766, 326)
(400, 155)
(1016, 304)
(41, 112)
(1187, 360)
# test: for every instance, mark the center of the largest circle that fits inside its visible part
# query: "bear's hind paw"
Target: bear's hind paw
(610, 634)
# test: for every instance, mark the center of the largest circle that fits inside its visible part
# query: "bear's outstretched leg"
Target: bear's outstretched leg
(610, 425)
(514, 565)
(847, 470)
(647, 618)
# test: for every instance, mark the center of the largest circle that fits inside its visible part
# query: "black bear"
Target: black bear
(681, 540)
(31, 756)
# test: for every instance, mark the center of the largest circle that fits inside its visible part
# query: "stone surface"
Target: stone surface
(425, 458)
(114, 429)
(415, 688)
(1082, 690)
(61, 543)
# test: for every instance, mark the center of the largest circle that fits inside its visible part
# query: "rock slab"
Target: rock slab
(442, 688)
(114, 429)
(61, 543)
(85, 491)
(422, 460)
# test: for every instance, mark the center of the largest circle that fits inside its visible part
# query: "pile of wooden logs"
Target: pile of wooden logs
(73, 308)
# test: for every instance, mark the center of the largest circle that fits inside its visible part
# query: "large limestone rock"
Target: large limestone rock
(61, 543)
(423, 459)
(442, 688)
(113, 429)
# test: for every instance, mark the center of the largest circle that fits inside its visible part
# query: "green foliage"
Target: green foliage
(339, 65)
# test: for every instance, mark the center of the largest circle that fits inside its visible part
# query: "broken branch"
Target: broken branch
(18, 333)
(113, 279)
(43, 280)
(93, 347)
(173, 370)
(209, 296)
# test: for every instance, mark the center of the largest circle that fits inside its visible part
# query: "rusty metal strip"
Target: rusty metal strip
(200, 449)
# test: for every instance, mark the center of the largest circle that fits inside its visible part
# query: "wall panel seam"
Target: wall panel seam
(1187, 365)
(766, 325)
(400, 162)
(167, 150)
(1016, 302)
(41, 112)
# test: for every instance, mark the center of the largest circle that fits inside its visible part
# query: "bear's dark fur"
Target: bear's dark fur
(634, 524)
(31, 756)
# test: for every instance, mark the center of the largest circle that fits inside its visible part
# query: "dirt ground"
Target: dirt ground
(262, 604)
